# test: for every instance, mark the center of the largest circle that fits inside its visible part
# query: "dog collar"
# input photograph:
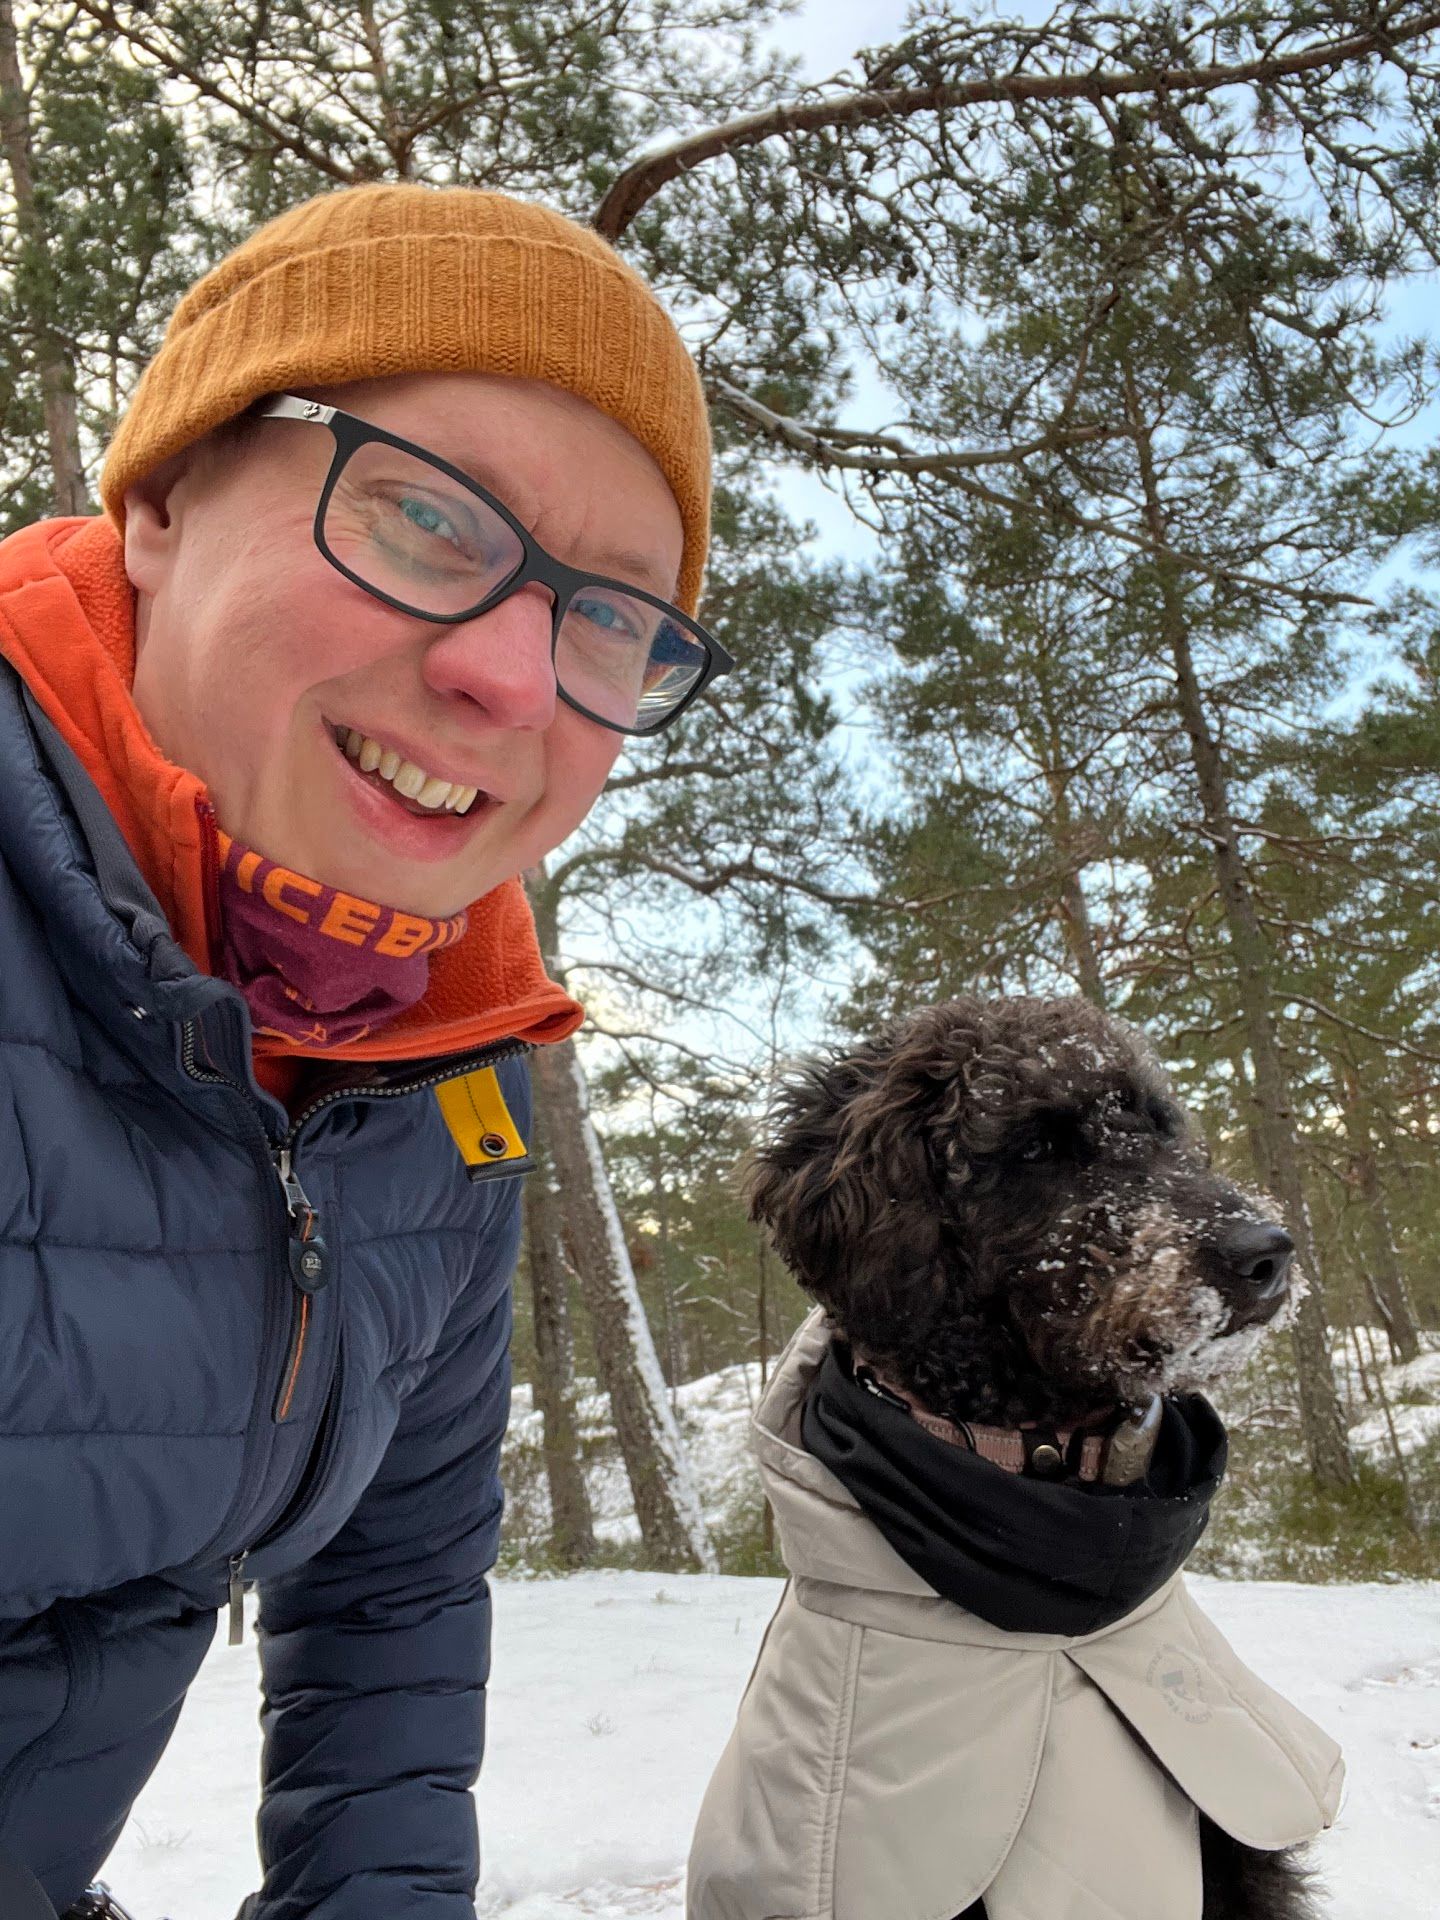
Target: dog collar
(1117, 1454)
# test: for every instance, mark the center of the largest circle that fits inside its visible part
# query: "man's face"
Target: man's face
(253, 652)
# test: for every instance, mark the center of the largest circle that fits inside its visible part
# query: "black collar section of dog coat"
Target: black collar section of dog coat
(1117, 1448)
(1027, 1554)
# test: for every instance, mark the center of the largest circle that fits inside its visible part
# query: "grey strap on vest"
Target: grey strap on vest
(21, 1895)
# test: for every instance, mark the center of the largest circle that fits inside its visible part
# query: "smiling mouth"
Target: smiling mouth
(420, 793)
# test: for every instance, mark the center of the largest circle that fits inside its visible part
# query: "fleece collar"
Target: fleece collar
(1027, 1555)
(67, 625)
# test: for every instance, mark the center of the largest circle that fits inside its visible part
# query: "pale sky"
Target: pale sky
(826, 32)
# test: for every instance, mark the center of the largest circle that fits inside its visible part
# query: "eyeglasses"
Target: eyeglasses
(425, 538)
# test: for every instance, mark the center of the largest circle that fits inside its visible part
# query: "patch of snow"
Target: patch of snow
(1413, 1427)
(582, 1825)
(714, 1418)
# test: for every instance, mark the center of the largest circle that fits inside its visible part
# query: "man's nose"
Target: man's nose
(501, 660)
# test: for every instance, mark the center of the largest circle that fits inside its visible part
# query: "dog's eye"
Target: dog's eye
(1054, 1137)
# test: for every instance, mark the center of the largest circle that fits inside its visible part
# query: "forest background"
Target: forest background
(1073, 378)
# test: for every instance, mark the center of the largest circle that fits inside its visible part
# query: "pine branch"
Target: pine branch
(284, 136)
(884, 451)
(664, 770)
(639, 183)
(1385, 1040)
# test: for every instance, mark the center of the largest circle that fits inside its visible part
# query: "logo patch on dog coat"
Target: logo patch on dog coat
(1176, 1677)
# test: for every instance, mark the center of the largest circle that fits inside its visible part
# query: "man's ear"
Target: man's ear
(151, 525)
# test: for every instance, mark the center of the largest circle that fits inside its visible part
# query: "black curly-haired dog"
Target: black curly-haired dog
(1005, 1209)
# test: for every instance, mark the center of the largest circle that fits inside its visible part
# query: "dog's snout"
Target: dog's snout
(1258, 1255)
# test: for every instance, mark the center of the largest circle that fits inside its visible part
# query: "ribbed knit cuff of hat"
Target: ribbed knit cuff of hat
(369, 282)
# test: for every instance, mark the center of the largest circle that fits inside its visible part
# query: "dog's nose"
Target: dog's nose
(1258, 1256)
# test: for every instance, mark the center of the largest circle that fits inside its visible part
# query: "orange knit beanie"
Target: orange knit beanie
(369, 281)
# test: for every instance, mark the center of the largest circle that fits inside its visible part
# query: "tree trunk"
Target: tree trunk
(762, 1303)
(1320, 1414)
(667, 1505)
(57, 376)
(1071, 907)
(674, 1355)
(572, 1524)
(1385, 1280)
(762, 1317)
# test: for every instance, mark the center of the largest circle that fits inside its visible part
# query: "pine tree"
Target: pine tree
(93, 236)
(1115, 327)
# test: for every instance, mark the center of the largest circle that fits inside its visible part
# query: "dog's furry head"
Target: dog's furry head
(1004, 1206)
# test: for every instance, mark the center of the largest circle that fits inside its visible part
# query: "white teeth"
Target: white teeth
(427, 790)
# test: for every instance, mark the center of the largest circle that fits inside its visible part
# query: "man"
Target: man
(404, 531)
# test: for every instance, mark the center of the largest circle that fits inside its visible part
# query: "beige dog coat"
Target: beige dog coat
(896, 1758)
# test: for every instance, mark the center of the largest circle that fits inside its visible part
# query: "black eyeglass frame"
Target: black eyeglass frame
(351, 432)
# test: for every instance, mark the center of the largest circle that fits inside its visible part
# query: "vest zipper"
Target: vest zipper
(300, 1498)
(443, 1070)
(309, 1271)
(307, 1257)
(258, 1444)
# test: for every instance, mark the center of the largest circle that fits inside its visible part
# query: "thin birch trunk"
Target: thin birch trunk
(1071, 908)
(667, 1505)
(674, 1349)
(57, 376)
(1397, 1452)
(1320, 1415)
(762, 1317)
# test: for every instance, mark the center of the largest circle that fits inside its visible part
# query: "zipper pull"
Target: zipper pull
(309, 1258)
(237, 1597)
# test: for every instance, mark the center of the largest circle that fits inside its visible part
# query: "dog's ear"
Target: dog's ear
(846, 1187)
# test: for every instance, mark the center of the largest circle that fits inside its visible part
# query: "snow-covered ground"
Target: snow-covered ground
(613, 1693)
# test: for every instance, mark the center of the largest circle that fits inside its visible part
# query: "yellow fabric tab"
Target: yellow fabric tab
(480, 1124)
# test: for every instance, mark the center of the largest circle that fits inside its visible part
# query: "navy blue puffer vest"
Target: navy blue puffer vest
(159, 1445)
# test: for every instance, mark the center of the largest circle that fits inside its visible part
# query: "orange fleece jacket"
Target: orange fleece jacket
(67, 624)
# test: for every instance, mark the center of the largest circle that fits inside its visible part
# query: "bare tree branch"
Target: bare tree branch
(271, 126)
(639, 183)
(885, 452)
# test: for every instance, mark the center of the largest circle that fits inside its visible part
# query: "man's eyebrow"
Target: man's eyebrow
(640, 568)
(615, 563)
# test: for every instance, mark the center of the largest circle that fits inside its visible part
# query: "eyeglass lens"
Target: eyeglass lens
(406, 529)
